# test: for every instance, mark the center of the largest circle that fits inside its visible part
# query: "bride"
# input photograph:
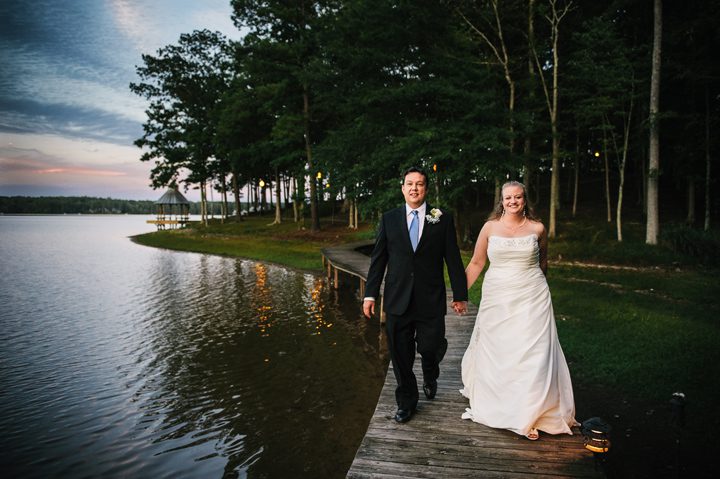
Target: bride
(514, 372)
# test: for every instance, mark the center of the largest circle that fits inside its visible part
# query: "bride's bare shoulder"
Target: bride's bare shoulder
(537, 227)
(490, 227)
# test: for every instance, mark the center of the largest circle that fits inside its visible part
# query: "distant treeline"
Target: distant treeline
(58, 205)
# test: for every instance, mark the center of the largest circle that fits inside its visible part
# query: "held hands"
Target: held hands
(368, 308)
(460, 307)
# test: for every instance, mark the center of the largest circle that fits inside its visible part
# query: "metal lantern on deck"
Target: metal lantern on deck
(596, 434)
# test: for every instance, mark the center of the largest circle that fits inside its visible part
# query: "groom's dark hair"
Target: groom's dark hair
(414, 169)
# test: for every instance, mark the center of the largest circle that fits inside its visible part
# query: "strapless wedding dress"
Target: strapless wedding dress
(514, 372)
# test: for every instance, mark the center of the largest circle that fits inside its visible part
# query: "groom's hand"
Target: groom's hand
(460, 307)
(368, 308)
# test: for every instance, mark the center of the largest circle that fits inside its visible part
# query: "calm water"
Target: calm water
(118, 360)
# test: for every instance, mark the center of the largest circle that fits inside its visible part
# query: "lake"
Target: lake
(120, 360)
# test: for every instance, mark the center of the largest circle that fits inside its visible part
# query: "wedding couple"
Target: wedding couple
(514, 372)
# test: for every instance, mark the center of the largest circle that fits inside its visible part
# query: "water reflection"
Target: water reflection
(261, 300)
(179, 365)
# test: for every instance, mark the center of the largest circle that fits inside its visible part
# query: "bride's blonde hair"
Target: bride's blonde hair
(499, 211)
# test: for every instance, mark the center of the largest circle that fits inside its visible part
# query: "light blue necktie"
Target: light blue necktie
(414, 230)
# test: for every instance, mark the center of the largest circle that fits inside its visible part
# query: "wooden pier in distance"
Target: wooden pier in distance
(436, 443)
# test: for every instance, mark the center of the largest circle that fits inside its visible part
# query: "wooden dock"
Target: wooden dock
(436, 442)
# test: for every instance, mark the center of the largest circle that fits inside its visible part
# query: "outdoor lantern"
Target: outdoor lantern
(677, 405)
(262, 183)
(596, 434)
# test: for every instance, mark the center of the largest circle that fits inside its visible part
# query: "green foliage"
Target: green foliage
(377, 85)
(692, 242)
(183, 83)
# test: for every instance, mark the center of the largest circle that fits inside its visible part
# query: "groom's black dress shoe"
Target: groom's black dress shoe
(430, 389)
(404, 415)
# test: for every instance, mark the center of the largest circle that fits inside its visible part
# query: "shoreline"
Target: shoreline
(134, 239)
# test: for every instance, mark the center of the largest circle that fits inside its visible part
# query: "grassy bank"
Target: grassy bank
(255, 238)
(636, 323)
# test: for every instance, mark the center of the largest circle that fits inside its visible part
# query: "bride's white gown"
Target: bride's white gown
(514, 372)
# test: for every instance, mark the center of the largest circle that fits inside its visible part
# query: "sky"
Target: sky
(68, 119)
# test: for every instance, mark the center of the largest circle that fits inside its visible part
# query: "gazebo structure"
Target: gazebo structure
(172, 209)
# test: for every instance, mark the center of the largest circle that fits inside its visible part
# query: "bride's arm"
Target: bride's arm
(479, 257)
(543, 243)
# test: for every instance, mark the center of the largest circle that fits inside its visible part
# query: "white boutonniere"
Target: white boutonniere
(434, 216)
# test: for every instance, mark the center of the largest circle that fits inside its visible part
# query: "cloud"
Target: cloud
(74, 167)
(68, 119)
(30, 116)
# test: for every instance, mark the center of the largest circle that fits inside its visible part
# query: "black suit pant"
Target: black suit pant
(403, 333)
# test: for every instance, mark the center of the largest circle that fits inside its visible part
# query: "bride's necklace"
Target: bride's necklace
(515, 228)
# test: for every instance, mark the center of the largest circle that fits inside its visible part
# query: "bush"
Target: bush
(699, 244)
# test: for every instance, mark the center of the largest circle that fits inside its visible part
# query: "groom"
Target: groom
(412, 243)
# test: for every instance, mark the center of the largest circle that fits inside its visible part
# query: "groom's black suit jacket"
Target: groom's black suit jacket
(416, 275)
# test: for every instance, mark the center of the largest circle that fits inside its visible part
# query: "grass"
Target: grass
(255, 238)
(636, 323)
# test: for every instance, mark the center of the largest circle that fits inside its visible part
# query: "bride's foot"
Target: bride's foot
(533, 434)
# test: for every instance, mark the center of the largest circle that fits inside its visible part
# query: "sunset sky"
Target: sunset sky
(67, 117)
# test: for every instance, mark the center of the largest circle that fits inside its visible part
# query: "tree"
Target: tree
(289, 31)
(652, 225)
(554, 17)
(184, 84)
(601, 90)
(493, 36)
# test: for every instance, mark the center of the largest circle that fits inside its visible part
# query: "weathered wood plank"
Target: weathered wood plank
(437, 443)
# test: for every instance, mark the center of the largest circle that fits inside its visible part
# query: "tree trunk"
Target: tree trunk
(653, 222)
(621, 167)
(263, 198)
(296, 211)
(286, 184)
(551, 98)
(554, 181)
(607, 172)
(707, 158)
(300, 200)
(278, 203)
(236, 194)
(355, 208)
(528, 167)
(577, 173)
(690, 219)
(256, 198)
(351, 213)
(224, 201)
(314, 219)
(203, 203)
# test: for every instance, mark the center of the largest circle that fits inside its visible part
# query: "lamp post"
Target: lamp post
(261, 184)
(677, 420)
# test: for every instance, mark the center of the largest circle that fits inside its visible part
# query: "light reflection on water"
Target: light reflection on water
(119, 360)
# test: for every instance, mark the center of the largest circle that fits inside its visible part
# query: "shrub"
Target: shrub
(699, 244)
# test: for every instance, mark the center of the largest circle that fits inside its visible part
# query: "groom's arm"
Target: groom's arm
(456, 271)
(378, 263)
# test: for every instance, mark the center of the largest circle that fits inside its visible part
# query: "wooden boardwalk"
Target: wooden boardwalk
(436, 443)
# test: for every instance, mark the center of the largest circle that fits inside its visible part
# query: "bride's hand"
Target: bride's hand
(460, 307)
